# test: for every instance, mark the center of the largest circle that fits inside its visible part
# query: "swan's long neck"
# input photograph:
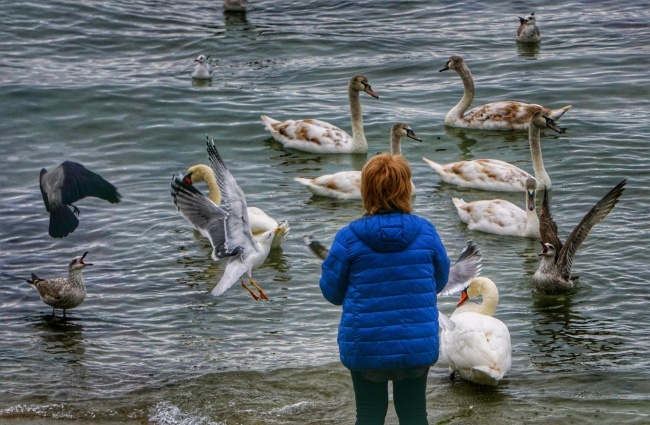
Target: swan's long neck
(532, 220)
(211, 180)
(490, 295)
(468, 83)
(359, 142)
(543, 180)
(395, 144)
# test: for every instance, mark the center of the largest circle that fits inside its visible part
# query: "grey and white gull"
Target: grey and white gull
(528, 31)
(553, 275)
(226, 226)
(202, 69)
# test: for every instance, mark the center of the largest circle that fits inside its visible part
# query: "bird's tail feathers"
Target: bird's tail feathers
(62, 221)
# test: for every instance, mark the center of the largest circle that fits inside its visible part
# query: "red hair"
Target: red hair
(386, 184)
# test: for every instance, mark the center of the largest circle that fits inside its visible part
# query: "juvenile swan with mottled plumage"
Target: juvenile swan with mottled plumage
(503, 115)
(312, 135)
(63, 293)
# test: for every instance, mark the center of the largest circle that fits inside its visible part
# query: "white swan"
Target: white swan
(500, 216)
(202, 70)
(478, 347)
(318, 136)
(554, 273)
(258, 220)
(494, 174)
(528, 31)
(346, 185)
(503, 115)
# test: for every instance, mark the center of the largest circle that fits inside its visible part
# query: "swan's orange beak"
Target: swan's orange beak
(463, 298)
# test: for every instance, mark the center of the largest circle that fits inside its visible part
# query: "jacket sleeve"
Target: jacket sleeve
(335, 270)
(441, 263)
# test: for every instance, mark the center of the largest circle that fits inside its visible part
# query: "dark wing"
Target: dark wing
(316, 247)
(239, 238)
(79, 182)
(466, 268)
(579, 234)
(43, 192)
(205, 216)
(547, 226)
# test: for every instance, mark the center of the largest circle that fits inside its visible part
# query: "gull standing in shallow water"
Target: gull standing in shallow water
(494, 174)
(226, 227)
(61, 292)
(554, 273)
(528, 31)
(502, 115)
(68, 183)
(318, 136)
(347, 184)
(203, 69)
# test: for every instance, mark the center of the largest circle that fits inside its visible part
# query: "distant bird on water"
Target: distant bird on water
(66, 184)
(528, 31)
(203, 69)
(235, 5)
(60, 292)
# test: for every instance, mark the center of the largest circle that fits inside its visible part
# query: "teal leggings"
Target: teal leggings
(371, 398)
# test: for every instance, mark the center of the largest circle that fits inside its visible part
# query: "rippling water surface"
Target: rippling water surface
(107, 84)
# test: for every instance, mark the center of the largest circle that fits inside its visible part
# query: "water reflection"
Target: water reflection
(529, 50)
(61, 337)
(201, 83)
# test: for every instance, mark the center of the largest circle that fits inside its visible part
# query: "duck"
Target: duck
(497, 175)
(235, 5)
(259, 221)
(316, 136)
(67, 184)
(553, 276)
(60, 292)
(346, 185)
(528, 31)
(226, 226)
(477, 346)
(502, 115)
(203, 69)
(501, 217)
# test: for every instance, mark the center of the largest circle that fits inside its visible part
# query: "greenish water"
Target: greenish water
(107, 84)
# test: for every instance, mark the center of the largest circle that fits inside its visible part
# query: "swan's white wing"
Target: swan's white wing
(234, 271)
(466, 268)
(239, 239)
(205, 216)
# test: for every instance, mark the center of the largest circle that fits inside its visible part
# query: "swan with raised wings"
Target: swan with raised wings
(346, 185)
(312, 135)
(494, 174)
(502, 115)
(501, 217)
(478, 347)
(258, 220)
(554, 273)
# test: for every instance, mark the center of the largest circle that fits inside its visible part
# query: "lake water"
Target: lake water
(107, 84)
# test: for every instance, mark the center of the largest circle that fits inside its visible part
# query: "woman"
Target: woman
(386, 269)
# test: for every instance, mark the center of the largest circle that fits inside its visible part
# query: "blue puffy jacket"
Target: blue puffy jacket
(386, 270)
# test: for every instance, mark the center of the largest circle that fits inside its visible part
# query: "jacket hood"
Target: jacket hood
(387, 232)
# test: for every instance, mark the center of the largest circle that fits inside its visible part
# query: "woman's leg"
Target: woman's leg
(371, 400)
(410, 400)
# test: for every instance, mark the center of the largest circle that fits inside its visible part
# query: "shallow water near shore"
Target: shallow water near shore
(107, 84)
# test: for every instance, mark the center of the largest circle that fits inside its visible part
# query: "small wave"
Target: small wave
(166, 413)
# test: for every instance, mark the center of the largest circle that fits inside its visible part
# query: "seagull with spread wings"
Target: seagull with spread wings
(226, 226)
(554, 273)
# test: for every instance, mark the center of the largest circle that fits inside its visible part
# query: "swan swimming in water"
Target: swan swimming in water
(312, 135)
(346, 185)
(478, 347)
(494, 174)
(501, 217)
(502, 115)
(554, 273)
